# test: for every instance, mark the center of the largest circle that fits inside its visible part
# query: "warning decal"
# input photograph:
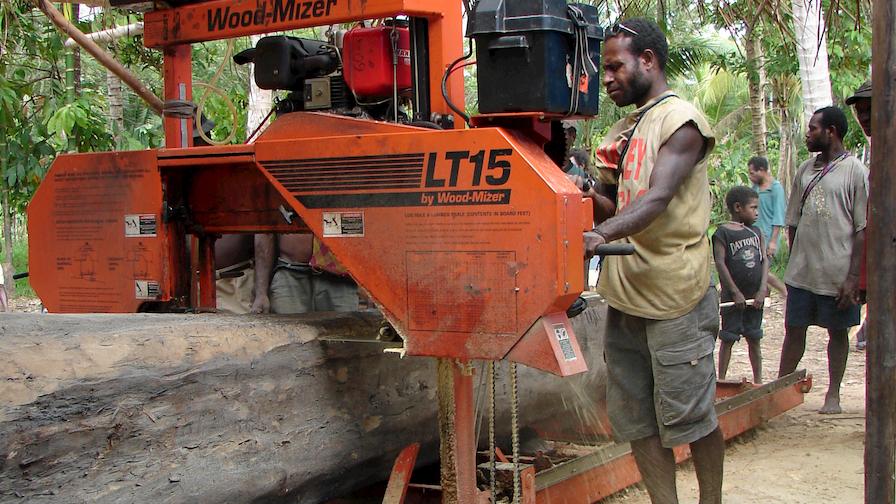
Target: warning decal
(140, 225)
(146, 289)
(343, 224)
(563, 339)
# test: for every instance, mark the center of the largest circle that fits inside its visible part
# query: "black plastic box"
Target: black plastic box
(524, 56)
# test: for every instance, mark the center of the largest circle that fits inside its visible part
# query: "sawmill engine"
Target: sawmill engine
(363, 72)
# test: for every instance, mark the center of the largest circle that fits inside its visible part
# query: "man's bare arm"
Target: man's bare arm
(762, 293)
(601, 195)
(264, 264)
(849, 291)
(772, 246)
(719, 255)
(675, 160)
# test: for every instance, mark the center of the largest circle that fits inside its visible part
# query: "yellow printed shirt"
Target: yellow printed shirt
(670, 270)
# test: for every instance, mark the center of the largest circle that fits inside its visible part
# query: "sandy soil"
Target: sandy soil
(801, 456)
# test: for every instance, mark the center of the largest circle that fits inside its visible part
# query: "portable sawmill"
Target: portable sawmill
(464, 230)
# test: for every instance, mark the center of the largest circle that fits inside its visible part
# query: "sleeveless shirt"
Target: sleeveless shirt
(670, 270)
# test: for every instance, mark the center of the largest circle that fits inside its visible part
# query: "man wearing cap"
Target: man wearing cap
(861, 105)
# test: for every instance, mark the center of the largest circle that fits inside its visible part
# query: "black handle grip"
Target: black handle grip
(609, 249)
(21, 275)
(509, 42)
(229, 274)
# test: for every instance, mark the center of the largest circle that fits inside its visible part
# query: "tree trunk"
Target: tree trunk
(227, 409)
(71, 14)
(116, 107)
(260, 100)
(783, 88)
(8, 269)
(812, 53)
(787, 165)
(757, 82)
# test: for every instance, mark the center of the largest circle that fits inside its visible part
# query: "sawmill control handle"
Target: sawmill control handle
(608, 249)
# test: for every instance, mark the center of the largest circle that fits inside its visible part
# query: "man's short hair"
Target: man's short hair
(581, 158)
(833, 116)
(739, 194)
(758, 162)
(649, 36)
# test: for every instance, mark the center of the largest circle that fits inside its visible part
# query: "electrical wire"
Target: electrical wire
(200, 106)
(211, 87)
(262, 123)
(447, 73)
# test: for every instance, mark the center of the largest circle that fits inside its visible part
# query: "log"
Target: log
(167, 408)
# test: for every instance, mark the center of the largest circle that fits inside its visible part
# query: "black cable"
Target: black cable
(450, 69)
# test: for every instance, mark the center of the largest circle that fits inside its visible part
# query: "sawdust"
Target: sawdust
(800, 457)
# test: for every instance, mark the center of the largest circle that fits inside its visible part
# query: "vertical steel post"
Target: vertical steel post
(457, 419)
(177, 67)
(177, 72)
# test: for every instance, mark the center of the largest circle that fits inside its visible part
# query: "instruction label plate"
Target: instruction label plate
(345, 224)
(563, 339)
(146, 289)
(145, 225)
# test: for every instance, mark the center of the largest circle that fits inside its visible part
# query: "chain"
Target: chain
(515, 432)
(491, 429)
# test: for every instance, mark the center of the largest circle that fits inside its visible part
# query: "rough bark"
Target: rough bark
(8, 270)
(880, 385)
(757, 81)
(260, 100)
(788, 130)
(116, 106)
(225, 409)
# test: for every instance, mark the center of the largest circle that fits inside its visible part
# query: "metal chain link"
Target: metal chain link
(491, 429)
(514, 432)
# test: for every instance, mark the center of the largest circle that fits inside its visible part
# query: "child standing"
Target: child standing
(743, 272)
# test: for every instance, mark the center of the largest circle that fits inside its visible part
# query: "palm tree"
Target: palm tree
(811, 50)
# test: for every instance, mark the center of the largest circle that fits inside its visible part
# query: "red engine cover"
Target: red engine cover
(367, 60)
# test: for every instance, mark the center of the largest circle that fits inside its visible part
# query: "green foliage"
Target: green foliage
(20, 261)
(80, 125)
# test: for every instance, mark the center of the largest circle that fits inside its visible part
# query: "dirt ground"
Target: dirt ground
(798, 457)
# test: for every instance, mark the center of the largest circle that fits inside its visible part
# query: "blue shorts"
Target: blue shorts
(805, 308)
(737, 323)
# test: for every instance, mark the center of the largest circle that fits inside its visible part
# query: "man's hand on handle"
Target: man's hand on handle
(592, 241)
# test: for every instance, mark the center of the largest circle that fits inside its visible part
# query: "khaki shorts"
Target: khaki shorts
(298, 288)
(235, 295)
(661, 377)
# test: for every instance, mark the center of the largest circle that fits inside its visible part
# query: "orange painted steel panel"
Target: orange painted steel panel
(465, 238)
(96, 239)
(321, 125)
(468, 239)
(400, 478)
(221, 19)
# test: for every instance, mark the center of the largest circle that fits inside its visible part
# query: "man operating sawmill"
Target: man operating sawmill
(663, 311)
